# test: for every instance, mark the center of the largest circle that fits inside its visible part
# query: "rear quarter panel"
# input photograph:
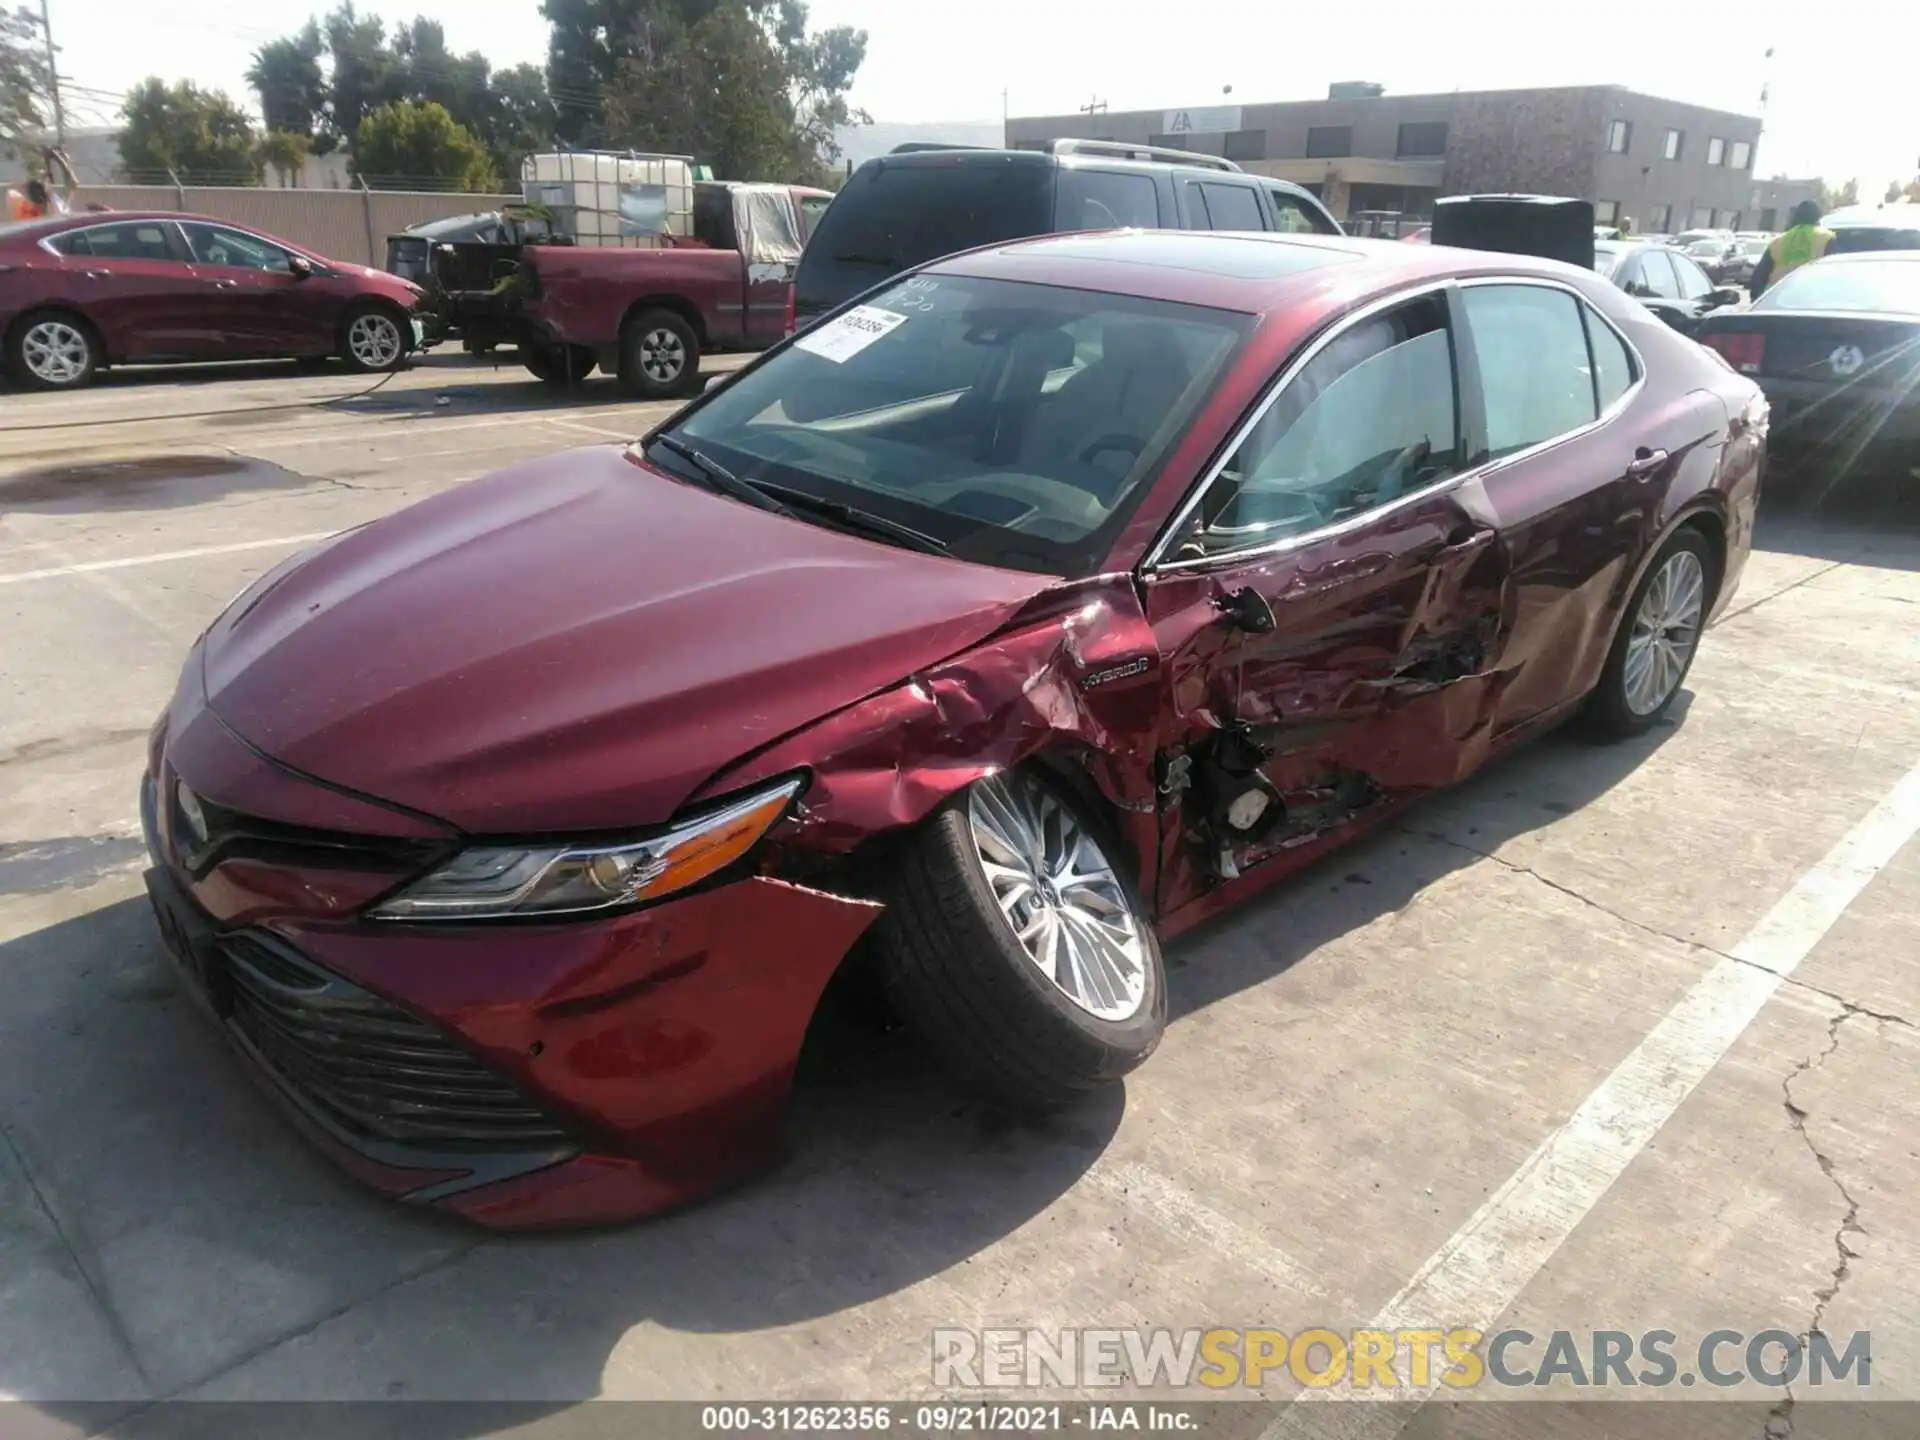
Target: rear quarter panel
(587, 293)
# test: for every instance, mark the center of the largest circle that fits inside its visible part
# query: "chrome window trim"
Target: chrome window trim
(1153, 564)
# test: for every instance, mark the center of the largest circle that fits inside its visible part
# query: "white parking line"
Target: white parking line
(1478, 1273)
(88, 567)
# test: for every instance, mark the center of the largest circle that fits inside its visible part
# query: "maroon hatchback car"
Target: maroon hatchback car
(83, 292)
(1045, 601)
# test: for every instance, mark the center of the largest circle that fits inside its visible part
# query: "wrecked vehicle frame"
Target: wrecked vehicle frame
(802, 722)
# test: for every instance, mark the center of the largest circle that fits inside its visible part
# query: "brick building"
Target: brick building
(1665, 165)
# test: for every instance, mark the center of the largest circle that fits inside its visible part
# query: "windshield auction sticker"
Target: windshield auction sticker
(844, 337)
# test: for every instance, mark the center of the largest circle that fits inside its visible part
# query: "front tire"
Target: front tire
(1015, 947)
(53, 351)
(374, 339)
(558, 364)
(660, 356)
(1659, 635)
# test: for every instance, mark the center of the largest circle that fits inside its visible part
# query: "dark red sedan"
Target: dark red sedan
(82, 292)
(1049, 599)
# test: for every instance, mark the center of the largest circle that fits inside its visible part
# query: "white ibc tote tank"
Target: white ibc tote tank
(603, 197)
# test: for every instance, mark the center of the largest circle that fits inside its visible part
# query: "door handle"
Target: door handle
(1645, 462)
(226, 284)
(95, 274)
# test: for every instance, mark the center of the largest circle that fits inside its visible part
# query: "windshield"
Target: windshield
(1707, 247)
(892, 217)
(1015, 423)
(1854, 285)
(1605, 257)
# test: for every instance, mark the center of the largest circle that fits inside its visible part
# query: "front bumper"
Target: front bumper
(520, 1075)
(1819, 416)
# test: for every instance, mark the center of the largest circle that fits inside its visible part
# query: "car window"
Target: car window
(1369, 419)
(1891, 284)
(1294, 217)
(134, 240)
(812, 207)
(1230, 207)
(234, 249)
(1535, 373)
(1656, 277)
(1613, 370)
(1694, 284)
(1105, 200)
(1015, 422)
(891, 217)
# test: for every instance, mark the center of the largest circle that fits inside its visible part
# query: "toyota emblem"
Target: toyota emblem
(1846, 360)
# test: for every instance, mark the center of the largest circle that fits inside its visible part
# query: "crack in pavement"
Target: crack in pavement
(1851, 1007)
(1755, 604)
(1779, 1423)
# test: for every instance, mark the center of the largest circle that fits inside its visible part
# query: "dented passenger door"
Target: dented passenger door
(1332, 603)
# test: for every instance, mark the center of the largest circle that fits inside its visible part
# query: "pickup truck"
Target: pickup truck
(648, 315)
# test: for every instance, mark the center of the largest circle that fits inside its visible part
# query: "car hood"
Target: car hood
(576, 644)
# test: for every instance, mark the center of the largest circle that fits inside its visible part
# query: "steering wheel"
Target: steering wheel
(1131, 444)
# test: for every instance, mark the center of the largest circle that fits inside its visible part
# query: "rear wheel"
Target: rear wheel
(558, 364)
(1659, 636)
(53, 351)
(1014, 945)
(373, 338)
(659, 356)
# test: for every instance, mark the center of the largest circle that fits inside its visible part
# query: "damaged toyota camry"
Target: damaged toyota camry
(1012, 619)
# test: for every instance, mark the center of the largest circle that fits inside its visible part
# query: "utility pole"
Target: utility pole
(53, 78)
(1095, 106)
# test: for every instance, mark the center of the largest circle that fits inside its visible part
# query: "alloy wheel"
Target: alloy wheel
(662, 356)
(55, 353)
(1060, 895)
(374, 340)
(1665, 631)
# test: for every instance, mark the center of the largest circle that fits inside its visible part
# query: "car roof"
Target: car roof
(1251, 272)
(1867, 257)
(940, 157)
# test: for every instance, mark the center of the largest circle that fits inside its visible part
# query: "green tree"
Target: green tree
(287, 77)
(1847, 194)
(359, 79)
(197, 134)
(522, 119)
(285, 153)
(740, 84)
(25, 86)
(406, 145)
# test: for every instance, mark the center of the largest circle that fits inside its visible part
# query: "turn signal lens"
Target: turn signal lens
(501, 882)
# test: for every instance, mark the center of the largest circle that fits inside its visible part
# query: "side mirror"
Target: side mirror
(301, 267)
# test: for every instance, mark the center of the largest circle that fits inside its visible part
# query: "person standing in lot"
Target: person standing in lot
(1804, 242)
(35, 201)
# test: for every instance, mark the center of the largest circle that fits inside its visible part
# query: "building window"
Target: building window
(1768, 216)
(1247, 145)
(1662, 220)
(1619, 136)
(1606, 212)
(1716, 151)
(1422, 137)
(1742, 155)
(1676, 139)
(1328, 142)
(1702, 217)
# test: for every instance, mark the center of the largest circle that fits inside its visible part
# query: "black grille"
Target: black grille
(232, 835)
(367, 1066)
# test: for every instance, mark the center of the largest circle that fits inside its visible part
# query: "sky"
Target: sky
(1838, 81)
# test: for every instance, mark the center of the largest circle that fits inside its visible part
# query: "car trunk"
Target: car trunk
(1864, 352)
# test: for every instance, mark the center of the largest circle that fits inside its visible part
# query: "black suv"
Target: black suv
(922, 202)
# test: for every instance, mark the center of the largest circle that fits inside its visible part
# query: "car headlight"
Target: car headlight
(499, 882)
